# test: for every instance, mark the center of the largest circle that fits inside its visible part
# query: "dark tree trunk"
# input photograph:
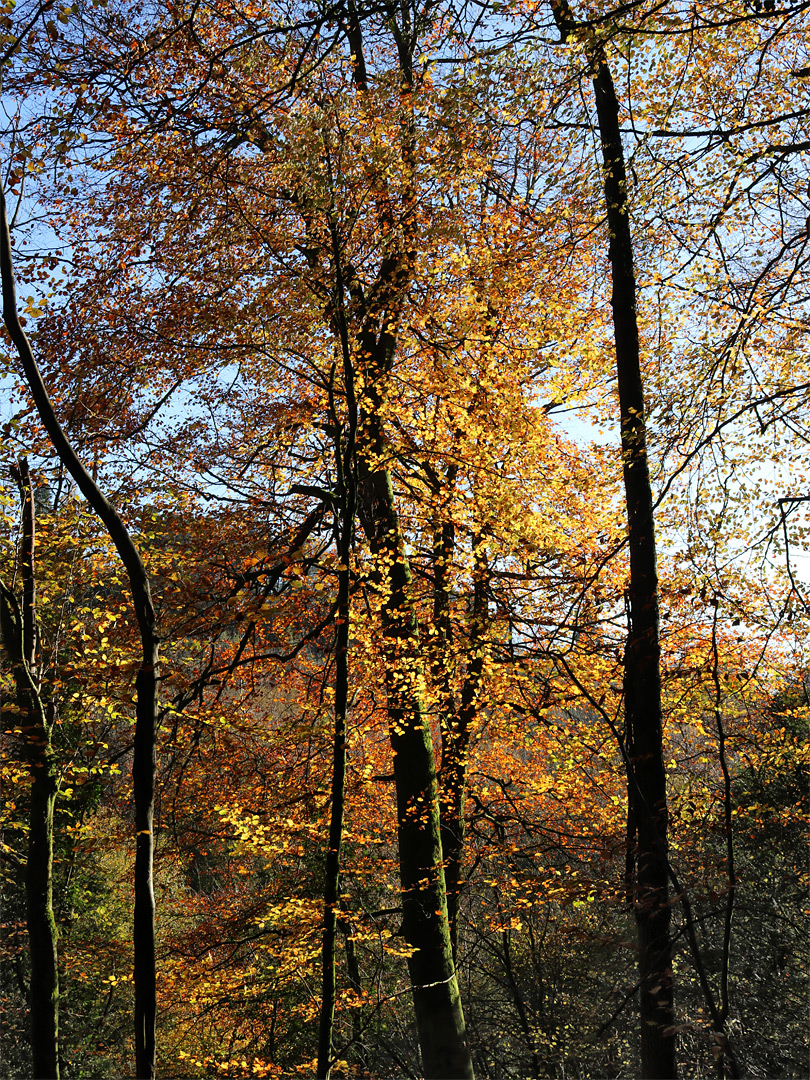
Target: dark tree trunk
(42, 933)
(331, 893)
(347, 497)
(455, 722)
(143, 766)
(437, 1002)
(440, 646)
(360, 1050)
(642, 683)
(519, 1002)
(19, 630)
(143, 784)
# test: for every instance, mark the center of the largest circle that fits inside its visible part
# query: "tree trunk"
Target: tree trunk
(19, 636)
(437, 1002)
(143, 765)
(455, 722)
(42, 933)
(143, 785)
(345, 467)
(643, 714)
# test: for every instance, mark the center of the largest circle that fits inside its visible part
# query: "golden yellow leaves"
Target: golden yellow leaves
(232, 1067)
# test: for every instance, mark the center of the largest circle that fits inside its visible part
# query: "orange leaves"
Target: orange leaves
(234, 1067)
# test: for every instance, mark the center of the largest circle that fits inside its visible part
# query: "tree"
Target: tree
(146, 680)
(34, 720)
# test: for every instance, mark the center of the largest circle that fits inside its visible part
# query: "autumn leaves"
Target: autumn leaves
(335, 278)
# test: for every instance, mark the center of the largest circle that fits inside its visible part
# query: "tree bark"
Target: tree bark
(456, 721)
(642, 683)
(42, 932)
(20, 636)
(437, 1002)
(143, 765)
(346, 469)
(359, 1048)
(331, 893)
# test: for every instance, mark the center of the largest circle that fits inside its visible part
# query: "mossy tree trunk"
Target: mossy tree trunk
(456, 716)
(425, 925)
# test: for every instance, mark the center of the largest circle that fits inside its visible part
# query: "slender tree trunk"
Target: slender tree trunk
(441, 648)
(345, 464)
(143, 766)
(647, 793)
(42, 933)
(331, 892)
(519, 1003)
(143, 784)
(643, 714)
(20, 636)
(437, 1002)
(455, 741)
(725, 1057)
(358, 1027)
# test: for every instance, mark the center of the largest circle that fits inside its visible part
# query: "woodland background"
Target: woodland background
(338, 305)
